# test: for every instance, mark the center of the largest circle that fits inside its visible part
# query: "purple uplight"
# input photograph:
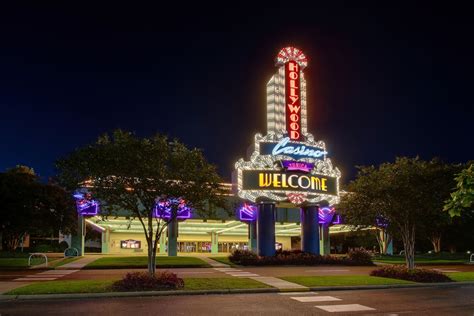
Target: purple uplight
(381, 221)
(163, 208)
(248, 212)
(336, 220)
(85, 205)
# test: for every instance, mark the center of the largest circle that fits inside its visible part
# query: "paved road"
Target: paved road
(427, 301)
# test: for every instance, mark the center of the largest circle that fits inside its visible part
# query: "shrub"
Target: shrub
(142, 281)
(243, 257)
(415, 275)
(359, 256)
(63, 245)
(297, 257)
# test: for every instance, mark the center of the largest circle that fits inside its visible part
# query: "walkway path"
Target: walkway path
(272, 281)
(78, 264)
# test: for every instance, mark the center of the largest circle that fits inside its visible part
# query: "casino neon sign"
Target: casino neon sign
(293, 99)
(287, 164)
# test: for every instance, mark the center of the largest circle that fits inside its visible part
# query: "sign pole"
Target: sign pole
(310, 229)
(266, 229)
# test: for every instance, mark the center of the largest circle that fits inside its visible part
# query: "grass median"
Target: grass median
(461, 276)
(426, 259)
(22, 263)
(342, 280)
(224, 260)
(101, 286)
(142, 262)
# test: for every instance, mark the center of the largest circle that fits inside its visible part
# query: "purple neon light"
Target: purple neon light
(248, 212)
(326, 215)
(163, 208)
(336, 220)
(85, 205)
(297, 166)
(381, 221)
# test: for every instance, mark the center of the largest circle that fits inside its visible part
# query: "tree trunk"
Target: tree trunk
(151, 259)
(436, 241)
(408, 237)
(383, 239)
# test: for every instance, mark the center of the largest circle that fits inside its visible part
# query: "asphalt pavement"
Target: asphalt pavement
(423, 301)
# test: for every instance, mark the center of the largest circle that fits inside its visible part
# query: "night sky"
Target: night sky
(382, 82)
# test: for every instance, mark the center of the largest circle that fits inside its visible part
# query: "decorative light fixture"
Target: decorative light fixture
(164, 208)
(248, 212)
(85, 205)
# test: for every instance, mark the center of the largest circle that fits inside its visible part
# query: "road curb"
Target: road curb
(391, 286)
(4, 298)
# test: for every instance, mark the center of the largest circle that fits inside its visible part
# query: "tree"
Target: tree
(126, 172)
(408, 194)
(31, 207)
(439, 182)
(463, 198)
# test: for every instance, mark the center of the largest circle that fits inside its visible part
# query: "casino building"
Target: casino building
(284, 189)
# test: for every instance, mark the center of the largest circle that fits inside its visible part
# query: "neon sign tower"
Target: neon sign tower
(287, 167)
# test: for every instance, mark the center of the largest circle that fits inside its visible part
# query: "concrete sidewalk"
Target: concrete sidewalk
(213, 263)
(272, 281)
(78, 264)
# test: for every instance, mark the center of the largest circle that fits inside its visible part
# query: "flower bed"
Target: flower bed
(142, 281)
(416, 275)
(358, 257)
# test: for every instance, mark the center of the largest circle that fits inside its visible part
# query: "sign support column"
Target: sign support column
(253, 236)
(266, 229)
(214, 243)
(173, 238)
(163, 243)
(310, 229)
(325, 243)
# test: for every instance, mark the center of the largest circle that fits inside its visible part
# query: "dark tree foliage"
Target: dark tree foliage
(126, 172)
(463, 198)
(408, 193)
(30, 207)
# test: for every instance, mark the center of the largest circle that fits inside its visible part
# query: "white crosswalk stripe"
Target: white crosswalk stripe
(305, 299)
(344, 308)
(297, 293)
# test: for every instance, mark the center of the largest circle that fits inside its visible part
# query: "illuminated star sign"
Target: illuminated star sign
(292, 53)
(85, 205)
(163, 208)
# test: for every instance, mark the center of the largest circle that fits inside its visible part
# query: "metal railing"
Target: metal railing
(71, 248)
(38, 254)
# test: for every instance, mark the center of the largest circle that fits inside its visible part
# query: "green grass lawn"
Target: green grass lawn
(100, 286)
(141, 262)
(62, 261)
(222, 283)
(461, 276)
(339, 280)
(224, 260)
(18, 263)
(426, 259)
